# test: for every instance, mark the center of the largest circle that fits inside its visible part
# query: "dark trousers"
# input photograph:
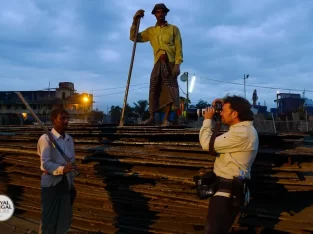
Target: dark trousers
(221, 215)
(73, 194)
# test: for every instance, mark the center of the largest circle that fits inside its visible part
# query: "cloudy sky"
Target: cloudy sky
(87, 42)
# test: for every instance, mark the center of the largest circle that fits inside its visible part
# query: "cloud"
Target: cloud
(109, 55)
(87, 42)
(242, 34)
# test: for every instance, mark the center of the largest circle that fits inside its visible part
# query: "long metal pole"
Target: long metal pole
(129, 74)
(66, 158)
(244, 84)
(187, 96)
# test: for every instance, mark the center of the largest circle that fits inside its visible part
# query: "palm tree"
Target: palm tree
(141, 108)
(115, 113)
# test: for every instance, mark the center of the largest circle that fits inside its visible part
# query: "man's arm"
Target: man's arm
(141, 36)
(44, 150)
(178, 46)
(205, 134)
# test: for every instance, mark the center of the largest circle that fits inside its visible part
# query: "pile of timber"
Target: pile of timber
(140, 179)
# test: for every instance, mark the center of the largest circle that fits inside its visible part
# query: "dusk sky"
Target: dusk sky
(87, 42)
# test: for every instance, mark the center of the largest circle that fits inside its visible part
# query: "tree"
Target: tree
(141, 109)
(202, 104)
(183, 99)
(115, 113)
(129, 112)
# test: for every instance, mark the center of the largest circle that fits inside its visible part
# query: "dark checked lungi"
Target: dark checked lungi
(57, 202)
(163, 86)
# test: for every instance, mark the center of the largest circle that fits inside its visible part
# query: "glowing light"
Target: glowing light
(193, 79)
(86, 99)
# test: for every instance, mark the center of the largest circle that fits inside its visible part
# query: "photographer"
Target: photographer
(236, 151)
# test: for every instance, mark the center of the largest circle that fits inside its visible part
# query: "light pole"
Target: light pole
(244, 82)
(184, 78)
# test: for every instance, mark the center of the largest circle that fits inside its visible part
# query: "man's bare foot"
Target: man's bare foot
(148, 122)
(166, 123)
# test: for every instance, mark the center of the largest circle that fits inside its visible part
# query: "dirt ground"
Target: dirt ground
(18, 225)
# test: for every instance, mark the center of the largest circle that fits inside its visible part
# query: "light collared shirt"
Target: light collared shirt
(51, 159)
(163, 39)
(237, 148)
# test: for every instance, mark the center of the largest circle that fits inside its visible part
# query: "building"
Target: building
(287, 103)
(308, 104)
(79, 105)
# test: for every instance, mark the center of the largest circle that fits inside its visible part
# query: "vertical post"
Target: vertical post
(129, 74)
(187, 91)
(287, 123)
(273, 122)
(306, 120)
(244, 84)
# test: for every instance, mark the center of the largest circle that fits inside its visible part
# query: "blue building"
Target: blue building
(287, 103)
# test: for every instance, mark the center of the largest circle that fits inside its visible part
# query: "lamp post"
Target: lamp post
(184, 78)
(244, 82)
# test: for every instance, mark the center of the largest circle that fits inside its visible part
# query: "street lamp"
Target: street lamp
(244, 82)
(193, 79)
(86, 99)
(185, 78)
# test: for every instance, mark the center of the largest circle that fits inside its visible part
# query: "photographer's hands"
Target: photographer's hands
(209, 113)
(218, 100)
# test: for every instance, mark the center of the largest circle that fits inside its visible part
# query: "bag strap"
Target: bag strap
(217, 129)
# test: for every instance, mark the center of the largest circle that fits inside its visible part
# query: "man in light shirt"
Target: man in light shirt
(236, 151)
(57, 180)
(166, 42)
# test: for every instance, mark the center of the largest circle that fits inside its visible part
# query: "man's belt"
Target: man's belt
(225, 185)
(163, 57)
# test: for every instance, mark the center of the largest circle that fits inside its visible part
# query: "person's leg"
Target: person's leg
(168, 109)
(154, 93)
(220, 216)
(173, 93)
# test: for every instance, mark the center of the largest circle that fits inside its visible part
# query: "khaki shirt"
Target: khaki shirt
(237, 148)
(163, 39)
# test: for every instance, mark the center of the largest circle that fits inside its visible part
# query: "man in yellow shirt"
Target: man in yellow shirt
(166, 42)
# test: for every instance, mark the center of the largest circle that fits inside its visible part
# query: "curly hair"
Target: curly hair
(241, 105)
(54, 113)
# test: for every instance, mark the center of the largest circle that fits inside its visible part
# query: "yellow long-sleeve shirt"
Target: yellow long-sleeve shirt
(163, 39)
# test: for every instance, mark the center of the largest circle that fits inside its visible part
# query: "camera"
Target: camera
(218, 107)
(217, 110)
(206, 185)
(201, 112)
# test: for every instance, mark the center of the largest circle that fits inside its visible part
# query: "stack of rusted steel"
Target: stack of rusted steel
(140, 179)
